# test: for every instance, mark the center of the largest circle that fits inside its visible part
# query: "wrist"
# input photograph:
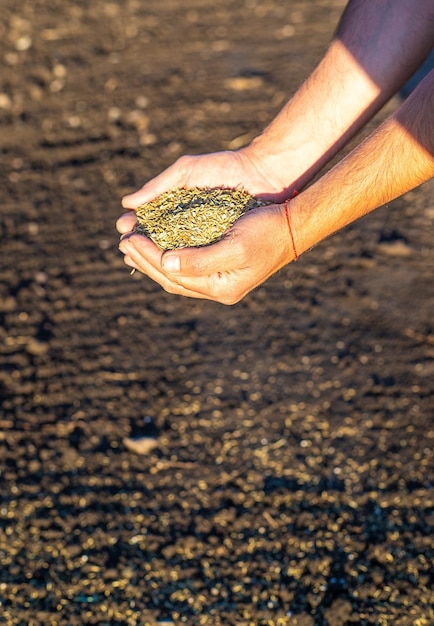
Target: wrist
(286, 236)
(290, 230)
(283, 168)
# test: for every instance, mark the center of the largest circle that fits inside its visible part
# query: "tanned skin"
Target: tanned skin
(363, 67)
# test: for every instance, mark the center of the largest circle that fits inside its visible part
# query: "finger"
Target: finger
(134, 259)
(145, 258)
(194, 262)
(171, 178)
(142, 250)
(126, 222)
(236, 250)
(224, 287)
(129, 261)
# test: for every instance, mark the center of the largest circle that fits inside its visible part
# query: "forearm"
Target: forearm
(394, 159)
(378, 45)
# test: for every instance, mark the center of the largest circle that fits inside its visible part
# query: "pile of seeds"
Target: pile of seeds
(192, 217)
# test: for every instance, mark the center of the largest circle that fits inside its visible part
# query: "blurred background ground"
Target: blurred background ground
(292, 478)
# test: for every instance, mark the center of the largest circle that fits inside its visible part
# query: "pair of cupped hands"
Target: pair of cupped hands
(256, 246)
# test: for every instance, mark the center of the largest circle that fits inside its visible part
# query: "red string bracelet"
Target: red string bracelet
(288, 221)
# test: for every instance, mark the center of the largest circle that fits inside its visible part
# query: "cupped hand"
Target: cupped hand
(256, 246)
(231, 169)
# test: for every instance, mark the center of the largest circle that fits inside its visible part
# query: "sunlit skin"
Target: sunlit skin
(357, 75)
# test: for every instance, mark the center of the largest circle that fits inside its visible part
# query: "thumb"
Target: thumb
(222, 256)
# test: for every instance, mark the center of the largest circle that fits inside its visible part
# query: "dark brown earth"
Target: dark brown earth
(292, 482)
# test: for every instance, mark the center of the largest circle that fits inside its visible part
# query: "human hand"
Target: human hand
(232, 170)
(256, 246)
(242, 169)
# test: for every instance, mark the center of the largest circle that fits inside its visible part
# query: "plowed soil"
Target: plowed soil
(291, 482)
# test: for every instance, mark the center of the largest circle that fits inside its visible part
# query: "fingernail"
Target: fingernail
(171, 263)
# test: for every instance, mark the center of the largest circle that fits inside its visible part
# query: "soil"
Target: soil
(286, 475)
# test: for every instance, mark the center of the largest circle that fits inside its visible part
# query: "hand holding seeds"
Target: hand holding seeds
(223, 271)
(256, 246)
(241, 169)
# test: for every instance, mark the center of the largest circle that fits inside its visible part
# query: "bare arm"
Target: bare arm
(394, 159)
(378, 45)
(350, 84)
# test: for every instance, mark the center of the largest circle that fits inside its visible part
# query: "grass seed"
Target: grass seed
(183, 218)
